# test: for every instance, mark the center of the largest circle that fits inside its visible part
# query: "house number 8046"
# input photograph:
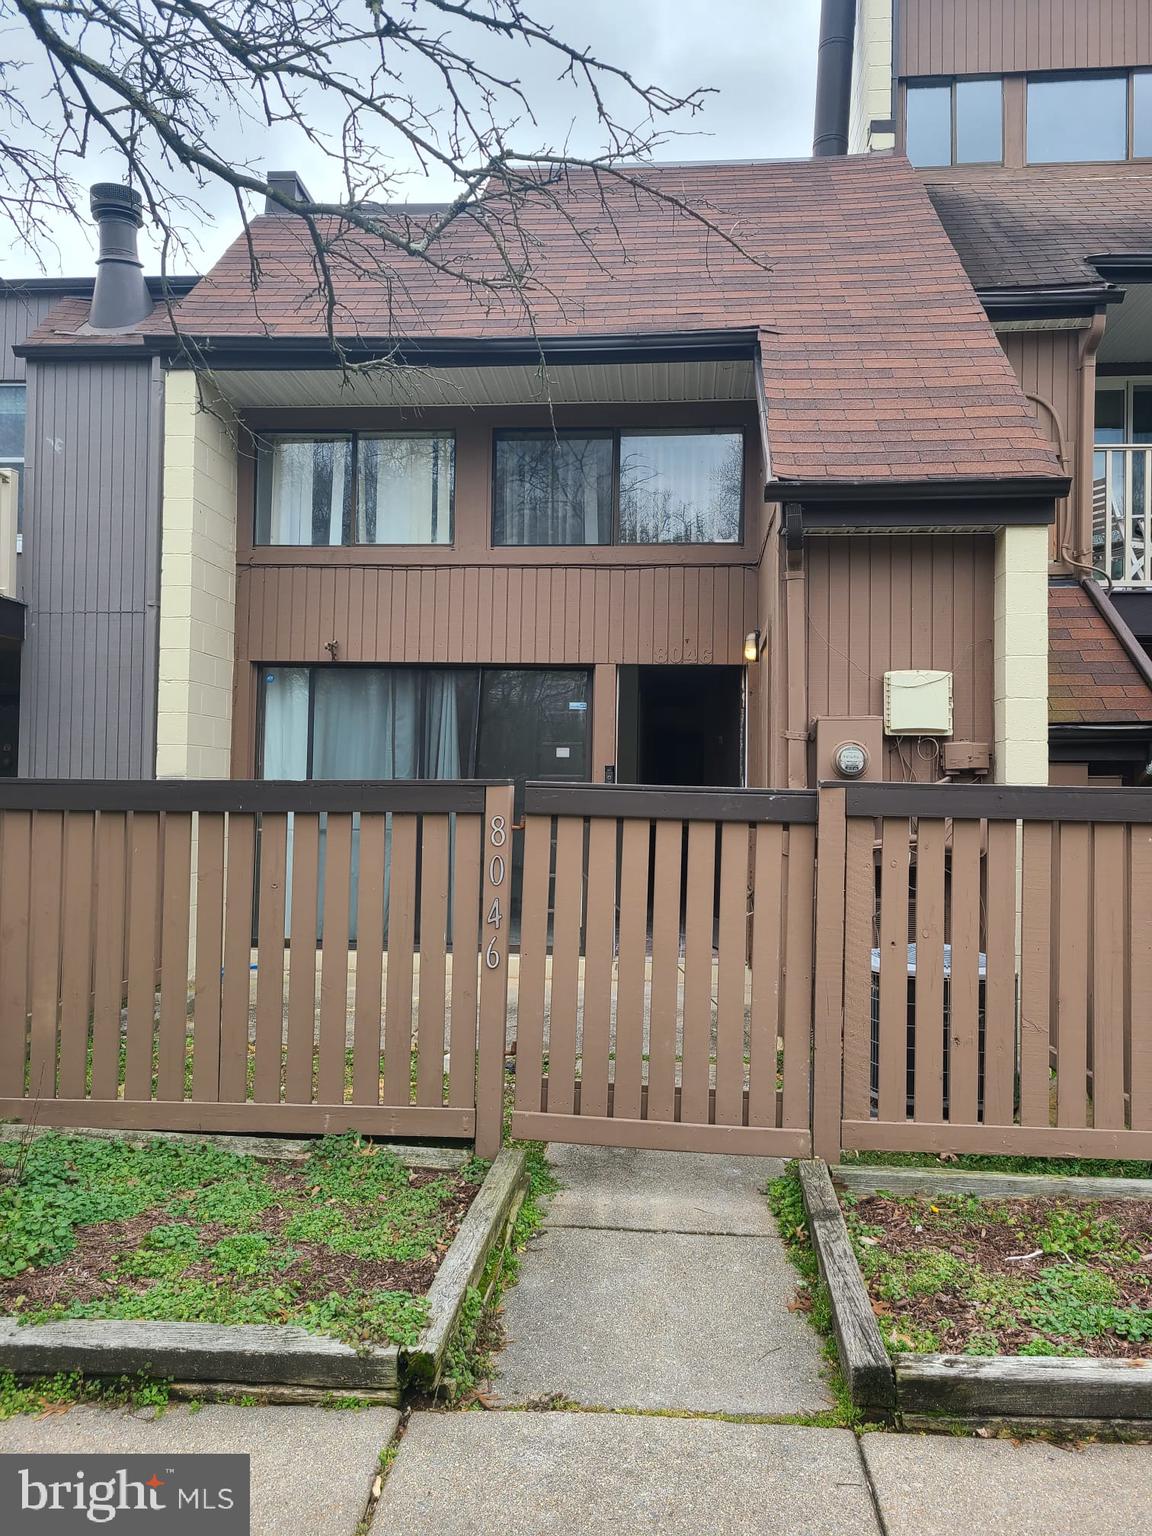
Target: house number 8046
(497, 869)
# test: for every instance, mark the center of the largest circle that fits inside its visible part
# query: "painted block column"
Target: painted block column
(1020, 669)
(197, 582)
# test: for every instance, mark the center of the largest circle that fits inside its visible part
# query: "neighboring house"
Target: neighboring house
(76, 689)
(1031, 126)
(707, 543)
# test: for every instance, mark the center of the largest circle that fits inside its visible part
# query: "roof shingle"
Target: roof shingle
(1039, 228)
(1091, 678)
(879, 362)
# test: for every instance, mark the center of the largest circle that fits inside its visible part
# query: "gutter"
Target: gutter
(295, 352)
(1046, 303)
(953, 488)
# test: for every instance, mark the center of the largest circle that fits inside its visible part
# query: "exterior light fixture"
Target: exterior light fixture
(752, 645)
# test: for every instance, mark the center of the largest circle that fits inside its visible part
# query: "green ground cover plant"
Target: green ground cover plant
(344, 1243)
(959, 1274)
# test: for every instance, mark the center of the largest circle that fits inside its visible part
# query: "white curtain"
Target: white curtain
(302, 498)
(552, 490)
(404, 490)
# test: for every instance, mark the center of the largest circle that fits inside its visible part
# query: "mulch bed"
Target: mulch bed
(1000, 1240)
(89, 1272)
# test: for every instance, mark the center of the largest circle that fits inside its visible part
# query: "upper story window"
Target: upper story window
(650, 486)
(12, 408)
(333, 488)
(1089, 117)
(1123, 413)
(959, 122)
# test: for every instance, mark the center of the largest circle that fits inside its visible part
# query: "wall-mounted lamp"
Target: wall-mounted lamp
(752, 645)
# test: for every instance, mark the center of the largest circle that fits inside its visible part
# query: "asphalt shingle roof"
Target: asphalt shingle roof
(1040, 227)
(1091, 678)
(879, 362)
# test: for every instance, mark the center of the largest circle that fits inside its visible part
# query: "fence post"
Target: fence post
(495, 911)
(828, 992)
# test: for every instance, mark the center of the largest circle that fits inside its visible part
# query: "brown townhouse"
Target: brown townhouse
(716, 513)
(1030, 122)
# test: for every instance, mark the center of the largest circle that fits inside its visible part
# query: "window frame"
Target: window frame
(312, 669)
(949, 83)
(1125, 385)
(351, 508)
(614, 435)
(1074, 77)
(11, 461)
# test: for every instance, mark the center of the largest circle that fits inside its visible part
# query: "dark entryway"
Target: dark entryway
(681, 725)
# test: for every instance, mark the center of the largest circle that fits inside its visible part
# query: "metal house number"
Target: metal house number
(497, 869)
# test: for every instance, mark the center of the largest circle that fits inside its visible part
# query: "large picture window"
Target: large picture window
(354, 722)
(317, 488)
(649, 486)
(1081, 118)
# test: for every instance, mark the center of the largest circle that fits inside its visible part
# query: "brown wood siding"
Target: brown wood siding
(468, 603)
(1046, 362)
(882, 604)
(970, 37)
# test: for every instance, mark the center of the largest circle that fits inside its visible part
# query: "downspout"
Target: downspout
(834, 77)
(1075, 543)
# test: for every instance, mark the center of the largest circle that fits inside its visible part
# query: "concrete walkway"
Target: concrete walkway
(659, 1283)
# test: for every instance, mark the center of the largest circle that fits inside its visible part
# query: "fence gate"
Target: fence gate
(665, 982)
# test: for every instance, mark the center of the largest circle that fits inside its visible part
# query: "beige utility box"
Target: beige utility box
(918, 703)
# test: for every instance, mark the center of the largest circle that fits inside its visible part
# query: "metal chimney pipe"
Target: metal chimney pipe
(834, 77)
(121, 296)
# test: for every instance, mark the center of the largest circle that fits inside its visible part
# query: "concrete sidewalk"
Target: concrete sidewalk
(659, 1282)
(565, 1474)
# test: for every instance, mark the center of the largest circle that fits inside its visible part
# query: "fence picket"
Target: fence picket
(434, 876)
(143, 904)
(397, 1081)
(270, 952)
(731, 956)
(369, 1010)
(893, 1026)
(1109, 859)
(964, 982)
(1036, 974)
(1000, 966)
(698, 926)
(931, 1024)
(299, 1054)
(533, 964)
(859, 907)
(1072, 980)
(764, 1020)
(175, 908)
(209, 957)
(331, 1053)
(76, 961)
(109, 968)
(798, 978)
(236, 986)
(634, 855)
(567, 903)
(1140, 987)
(599, 944)
(465, 963)
(664, 985)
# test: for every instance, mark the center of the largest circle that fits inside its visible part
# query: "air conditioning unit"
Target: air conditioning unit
(918, 703)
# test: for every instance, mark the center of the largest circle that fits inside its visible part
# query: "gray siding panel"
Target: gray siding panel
(91, 570)
(20, 313)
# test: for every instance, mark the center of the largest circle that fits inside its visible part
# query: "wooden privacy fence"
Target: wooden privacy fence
(984, 971)
(878, 966)
(181, 956)
(665, 989)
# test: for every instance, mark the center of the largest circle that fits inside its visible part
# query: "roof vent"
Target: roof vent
(288, 184)
(121, 296)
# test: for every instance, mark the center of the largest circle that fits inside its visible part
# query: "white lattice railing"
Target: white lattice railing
(1122, 513)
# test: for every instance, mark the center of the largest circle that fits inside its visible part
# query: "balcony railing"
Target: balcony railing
(1121, 512)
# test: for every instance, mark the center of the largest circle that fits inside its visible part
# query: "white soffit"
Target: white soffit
(562, 384)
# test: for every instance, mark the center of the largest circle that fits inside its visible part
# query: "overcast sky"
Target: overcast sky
(758, 55)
